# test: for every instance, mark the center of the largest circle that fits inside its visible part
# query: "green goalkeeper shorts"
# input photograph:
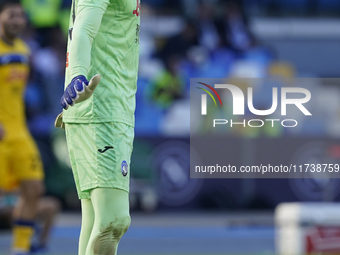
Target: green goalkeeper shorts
(100, 155)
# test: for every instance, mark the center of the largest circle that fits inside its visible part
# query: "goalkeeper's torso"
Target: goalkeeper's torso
(14, 70)
(115, 56)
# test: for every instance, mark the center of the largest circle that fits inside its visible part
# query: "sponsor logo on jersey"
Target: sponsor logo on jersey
(105, 149)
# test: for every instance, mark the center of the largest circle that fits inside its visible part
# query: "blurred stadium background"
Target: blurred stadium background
(179, 40)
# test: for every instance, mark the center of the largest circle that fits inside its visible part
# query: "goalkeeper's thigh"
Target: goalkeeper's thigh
(111, 220)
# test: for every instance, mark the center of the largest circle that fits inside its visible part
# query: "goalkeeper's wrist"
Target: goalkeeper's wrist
(80, 77)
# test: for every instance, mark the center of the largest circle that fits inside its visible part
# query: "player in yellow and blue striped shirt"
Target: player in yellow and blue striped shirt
(20, 164)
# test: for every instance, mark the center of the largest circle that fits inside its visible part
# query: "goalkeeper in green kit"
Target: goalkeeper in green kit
(103, 50)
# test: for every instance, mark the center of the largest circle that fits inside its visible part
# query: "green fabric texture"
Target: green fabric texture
(92, 168)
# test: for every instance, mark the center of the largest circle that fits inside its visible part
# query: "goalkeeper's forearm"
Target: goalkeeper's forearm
(85, 29)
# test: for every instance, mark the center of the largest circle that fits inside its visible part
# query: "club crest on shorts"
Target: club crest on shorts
(125, 168)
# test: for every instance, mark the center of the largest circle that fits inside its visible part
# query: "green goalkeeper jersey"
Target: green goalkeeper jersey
(104, 39)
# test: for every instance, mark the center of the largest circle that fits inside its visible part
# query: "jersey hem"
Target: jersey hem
(83, 120)
(91, 186)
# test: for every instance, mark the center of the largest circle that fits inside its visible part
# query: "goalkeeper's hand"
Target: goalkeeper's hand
(77, 91)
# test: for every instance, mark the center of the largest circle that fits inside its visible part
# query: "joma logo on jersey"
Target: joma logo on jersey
(239, 103)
